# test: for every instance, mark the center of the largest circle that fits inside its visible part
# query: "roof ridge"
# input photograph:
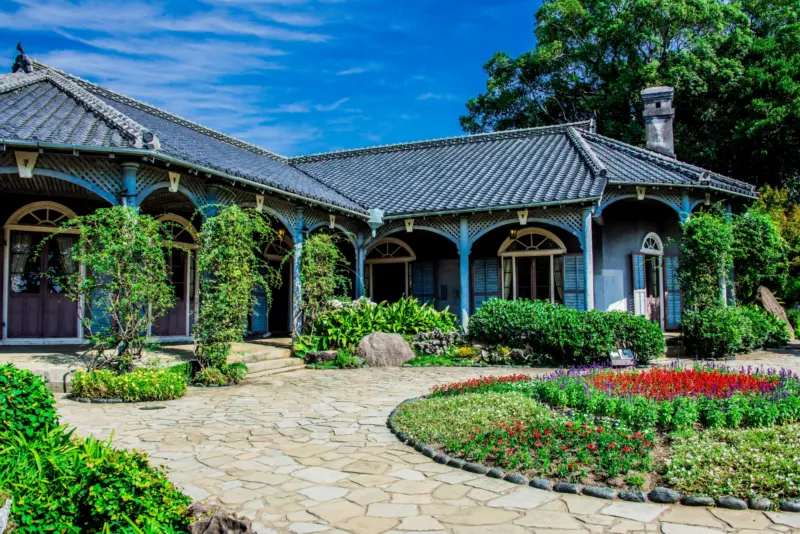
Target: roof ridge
(595, 163)
(442, 141)
(17, 80)
(699, 173)
(149, 108)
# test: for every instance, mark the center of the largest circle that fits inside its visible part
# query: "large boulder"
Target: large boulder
(211, 519)
(384, 350)
(765, 297)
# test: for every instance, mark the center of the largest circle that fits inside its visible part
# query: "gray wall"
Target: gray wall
(625, 224)
(448, 276)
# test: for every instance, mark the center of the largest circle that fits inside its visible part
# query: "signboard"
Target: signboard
(622, 358)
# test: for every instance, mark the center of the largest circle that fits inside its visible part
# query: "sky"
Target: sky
(292, 76)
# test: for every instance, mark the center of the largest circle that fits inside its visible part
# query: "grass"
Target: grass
(759, 462)
(443, 360)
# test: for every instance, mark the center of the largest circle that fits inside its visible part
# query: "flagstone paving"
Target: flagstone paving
(309, 452)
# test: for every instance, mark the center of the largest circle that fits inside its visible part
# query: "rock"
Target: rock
(697, 500)
(475, 468)
(496, 472)
(384, 350)
(664, 495)
(566, 487)
(402, 436)
(441, 458)
(212, 519)
(428, 451)
(603, 493)
(320, 356)
(516, 478)
(418, 446)
(790, 506)
(731, 503)
(765, 297)
(542, 484)
(633, 496)
(760, 503)
(458, 463)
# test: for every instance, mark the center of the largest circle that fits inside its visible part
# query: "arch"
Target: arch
(559, 249)
(551, 222)
(382, 236)
(652, 245)
(605, 204)
(273, 213)
(390, 242)
(696, 203)
(337, 226)
(17, 216)
(270, 251)
(105, 195)
(183, 222)
(164, 185)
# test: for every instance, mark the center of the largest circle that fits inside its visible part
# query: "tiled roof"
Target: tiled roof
(535, 166)
(504, 169)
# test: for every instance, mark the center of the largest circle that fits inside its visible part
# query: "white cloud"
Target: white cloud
(280, 139)
(296, 107)
(436, 96)
(333, 106)
(353, 70)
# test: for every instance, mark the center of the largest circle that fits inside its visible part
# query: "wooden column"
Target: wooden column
(463, 255)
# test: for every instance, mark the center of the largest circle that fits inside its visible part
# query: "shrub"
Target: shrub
(137, 386)
(793, 314)
(767, 330)
(435, 342)
(210, 376)
(760, 254)
(82, 486)
(347, 361)
(323, 273)
(723, 332)
(26, 405)
(563, 334)
(706, 258)
(234, 372)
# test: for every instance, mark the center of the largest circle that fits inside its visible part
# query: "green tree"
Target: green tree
(706, 258)
(125, 280)
(322, 274)
(759, 254)
(232, 265)
(735, 67)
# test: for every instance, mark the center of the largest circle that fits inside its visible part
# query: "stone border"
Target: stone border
(100, 401)
(201, 385)
(658, 495)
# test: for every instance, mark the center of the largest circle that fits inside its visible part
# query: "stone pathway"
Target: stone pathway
(310, 452)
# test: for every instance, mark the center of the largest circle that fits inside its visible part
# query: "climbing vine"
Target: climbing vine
(323, 270)
(706, 258)
(232, 265)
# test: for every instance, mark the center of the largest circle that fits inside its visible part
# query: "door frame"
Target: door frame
(369, 262)
(559, 250)
(653, 246)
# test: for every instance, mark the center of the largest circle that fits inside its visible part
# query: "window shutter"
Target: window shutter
(574, 283)
(100, 318)
(672, 291)
(259, 319)
(422, 281)
(639, 284)
(485, 281)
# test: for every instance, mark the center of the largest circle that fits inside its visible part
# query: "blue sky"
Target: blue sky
(293, 76)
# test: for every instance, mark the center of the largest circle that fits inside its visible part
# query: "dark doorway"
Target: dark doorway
(173, 323)
(533, 278)
(38, 307)
(388, 281)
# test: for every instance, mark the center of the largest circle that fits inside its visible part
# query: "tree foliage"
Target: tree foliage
(735, 67)
(706, 258)
(232, 265)
(786, 215)
(125, 281)
(322, 275)
(759, 254)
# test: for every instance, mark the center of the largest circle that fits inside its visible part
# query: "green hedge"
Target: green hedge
(723, 332)
(563, 334)
(26, 405)
(137, 386)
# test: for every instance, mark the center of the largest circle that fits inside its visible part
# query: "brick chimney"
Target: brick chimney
(658, 117)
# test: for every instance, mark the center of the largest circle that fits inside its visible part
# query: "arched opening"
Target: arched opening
(386, 272)
(35, 306)
(274, 317)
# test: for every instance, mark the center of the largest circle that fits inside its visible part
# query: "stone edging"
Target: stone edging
(98, 401)
(658, 495)
(201, 385)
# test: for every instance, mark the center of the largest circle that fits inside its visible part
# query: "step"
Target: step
(266, 353)
(294, 367)
(270, 365)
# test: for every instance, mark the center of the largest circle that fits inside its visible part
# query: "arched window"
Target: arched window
(652, 245)
(182, 233)
(532, 242)
(279, 247)
(41, 215)
(380, 256)
(533, 265)
(390, 250)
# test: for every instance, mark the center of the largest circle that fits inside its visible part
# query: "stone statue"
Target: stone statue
(23, 62)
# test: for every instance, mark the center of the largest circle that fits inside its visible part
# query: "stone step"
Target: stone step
(271, 365)
(266, 353)
(294, 367)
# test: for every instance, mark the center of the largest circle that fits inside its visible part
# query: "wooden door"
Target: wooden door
(173, 323)
(38, 306)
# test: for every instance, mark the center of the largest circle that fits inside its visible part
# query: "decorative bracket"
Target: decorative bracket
(640, 191)
(331, 221)
(174, 181)
(26, 161)
(708, 199)
(409, 225)
(259, 203)
(523, 217)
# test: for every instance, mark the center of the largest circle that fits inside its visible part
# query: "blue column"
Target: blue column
(686, 207)
(463, 255)
(211, 201)
(297, 285)
(129, 184)
(588, 258)
(361, 254)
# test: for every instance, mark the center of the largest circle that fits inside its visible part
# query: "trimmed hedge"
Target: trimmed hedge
(563, 334)
(723, 332)
(26, 405)
(137, 386)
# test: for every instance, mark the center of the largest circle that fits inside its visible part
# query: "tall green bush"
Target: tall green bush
(232, 265)
(723, 332)
(26, 405)
(565, 335)
(760, 254)
(322, 275)
(124, 279)
(706, 258)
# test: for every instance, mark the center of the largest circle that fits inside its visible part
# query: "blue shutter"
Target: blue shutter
(639, 284)
(258, 321)
(673, 292)
(422, 287)
(485, 281)
(98, 308)
(574, 282)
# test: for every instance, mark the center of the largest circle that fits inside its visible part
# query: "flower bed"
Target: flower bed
(703, 431)
(139, 386)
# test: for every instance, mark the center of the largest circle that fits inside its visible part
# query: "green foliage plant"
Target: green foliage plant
(323, 270)
(723, 332)
(760, 254)
(137, 386)
(233, 266)
(706, 258)
(123, 277)
(26, 405)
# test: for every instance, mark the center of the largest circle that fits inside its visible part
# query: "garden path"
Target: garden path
(310, 452)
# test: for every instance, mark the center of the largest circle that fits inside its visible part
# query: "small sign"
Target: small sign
(622, 358)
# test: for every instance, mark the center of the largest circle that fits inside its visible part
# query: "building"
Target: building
(559, 213)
